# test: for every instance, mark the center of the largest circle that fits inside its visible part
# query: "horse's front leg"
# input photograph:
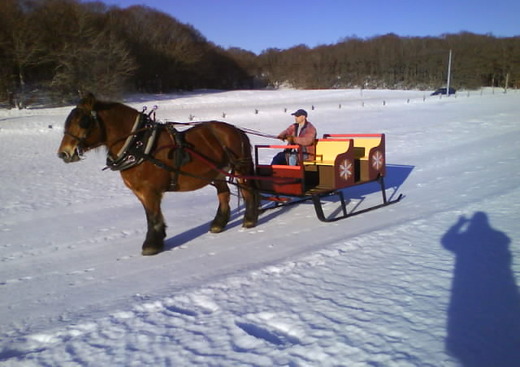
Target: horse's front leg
(223, 212)
(154, 242)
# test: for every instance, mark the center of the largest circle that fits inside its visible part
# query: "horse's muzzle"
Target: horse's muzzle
(69, 158)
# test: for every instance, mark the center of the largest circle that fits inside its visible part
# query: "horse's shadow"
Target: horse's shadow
(186, 236)
(483, 327)
(234, 222)
(395, 176)
(202, 229)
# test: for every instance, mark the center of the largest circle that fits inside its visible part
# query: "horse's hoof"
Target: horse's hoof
(249, 224)
(149, 251)
(216, 229)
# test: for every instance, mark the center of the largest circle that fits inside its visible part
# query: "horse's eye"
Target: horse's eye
(84, 123)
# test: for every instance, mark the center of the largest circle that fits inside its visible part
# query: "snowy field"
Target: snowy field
(430, 281)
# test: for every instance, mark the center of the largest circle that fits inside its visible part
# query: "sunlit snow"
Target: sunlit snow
(430, 281)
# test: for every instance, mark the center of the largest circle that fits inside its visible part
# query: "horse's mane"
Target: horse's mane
(91, 103)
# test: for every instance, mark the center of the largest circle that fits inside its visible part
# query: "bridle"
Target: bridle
(87, 122)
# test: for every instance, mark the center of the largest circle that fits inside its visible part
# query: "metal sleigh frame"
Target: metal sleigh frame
(318, 207)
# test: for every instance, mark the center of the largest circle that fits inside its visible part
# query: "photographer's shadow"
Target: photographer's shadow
(484, 313)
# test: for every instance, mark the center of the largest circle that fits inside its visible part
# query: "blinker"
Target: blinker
(85, 121)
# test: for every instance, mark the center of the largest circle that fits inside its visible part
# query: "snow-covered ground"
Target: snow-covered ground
(430, 281)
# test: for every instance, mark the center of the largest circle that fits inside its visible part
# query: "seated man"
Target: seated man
(303, 133)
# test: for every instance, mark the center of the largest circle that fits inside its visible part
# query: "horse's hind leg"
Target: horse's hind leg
(244, 167)
(250, 196)
(223, 213)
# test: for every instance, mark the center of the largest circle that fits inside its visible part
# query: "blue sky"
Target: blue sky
(256, 25)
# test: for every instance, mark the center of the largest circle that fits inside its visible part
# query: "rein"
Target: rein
(258, 133)
(244, 129)
(213, 166)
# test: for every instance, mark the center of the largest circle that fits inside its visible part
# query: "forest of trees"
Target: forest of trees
(393, 62)
(62, 49)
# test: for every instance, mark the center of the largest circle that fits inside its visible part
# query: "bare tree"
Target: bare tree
(100, 64)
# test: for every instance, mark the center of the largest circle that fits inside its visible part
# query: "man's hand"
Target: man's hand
(290, 140)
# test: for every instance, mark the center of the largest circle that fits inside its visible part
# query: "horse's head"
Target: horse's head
(81, 132)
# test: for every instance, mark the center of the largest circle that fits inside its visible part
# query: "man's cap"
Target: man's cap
(300, 112)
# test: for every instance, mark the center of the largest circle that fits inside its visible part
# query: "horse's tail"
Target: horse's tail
(240, 157)
(246, 166)
(246, 152)
(236, 145)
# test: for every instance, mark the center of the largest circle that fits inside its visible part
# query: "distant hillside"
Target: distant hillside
(64, 48)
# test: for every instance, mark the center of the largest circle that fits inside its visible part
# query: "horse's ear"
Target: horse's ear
(88, 102)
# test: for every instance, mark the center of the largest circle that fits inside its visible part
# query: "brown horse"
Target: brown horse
(154, 158)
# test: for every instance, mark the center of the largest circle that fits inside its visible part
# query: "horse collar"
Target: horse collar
(137, 145)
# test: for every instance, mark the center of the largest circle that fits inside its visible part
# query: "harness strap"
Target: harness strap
(130, 139)
(140, 142)
(180, 155)
(214, 166)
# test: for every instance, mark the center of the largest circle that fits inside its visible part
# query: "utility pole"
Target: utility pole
(449, 76)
